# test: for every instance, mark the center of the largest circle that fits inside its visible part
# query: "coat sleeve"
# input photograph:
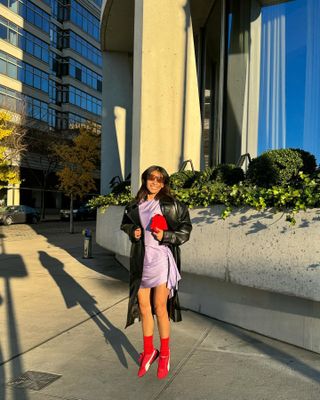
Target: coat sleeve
(182, 233)
(128, 226)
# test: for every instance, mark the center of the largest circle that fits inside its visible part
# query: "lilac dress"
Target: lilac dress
(159, 265)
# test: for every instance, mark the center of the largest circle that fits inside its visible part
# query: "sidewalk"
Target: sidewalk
(63, 315)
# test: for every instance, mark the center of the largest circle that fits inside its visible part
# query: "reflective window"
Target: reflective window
(28, 10)
(72, 95)
(71, 121)
(83, 74)
(23, 72)
(55, 64)
(81, 46)
(10, 65)
(289, 77)
(16, 102)
(52, 91)
(84, 19)
(52, 118)
(3, 32)
(55, 36)
(19, 37)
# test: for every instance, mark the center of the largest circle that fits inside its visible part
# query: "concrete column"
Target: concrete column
(166, 111)
(13, 195)
(237, 83)
(116, 117)
(251, 118)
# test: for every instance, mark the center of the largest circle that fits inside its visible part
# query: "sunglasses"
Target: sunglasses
(153, 178)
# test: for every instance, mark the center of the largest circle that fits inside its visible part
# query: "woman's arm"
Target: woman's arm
(182, 233)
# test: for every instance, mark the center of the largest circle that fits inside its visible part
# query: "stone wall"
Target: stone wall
(252, 269)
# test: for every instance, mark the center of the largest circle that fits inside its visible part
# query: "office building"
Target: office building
(50, 73)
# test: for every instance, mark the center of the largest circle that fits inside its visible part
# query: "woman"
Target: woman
(155, 263)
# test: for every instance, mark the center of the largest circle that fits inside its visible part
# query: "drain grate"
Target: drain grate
(33, 380)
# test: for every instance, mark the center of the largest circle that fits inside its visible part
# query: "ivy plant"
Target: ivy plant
(293, 184)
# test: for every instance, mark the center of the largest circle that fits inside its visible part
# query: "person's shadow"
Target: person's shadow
(74, 294)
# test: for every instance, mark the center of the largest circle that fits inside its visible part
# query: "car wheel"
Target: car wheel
(8, 221)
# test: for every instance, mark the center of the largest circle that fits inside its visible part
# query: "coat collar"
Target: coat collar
(132, 211)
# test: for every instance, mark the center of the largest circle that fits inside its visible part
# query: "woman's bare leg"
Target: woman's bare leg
(160, 298)
(145, 311)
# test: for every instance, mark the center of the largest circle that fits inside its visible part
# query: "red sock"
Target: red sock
(164, 346)
(148, 344)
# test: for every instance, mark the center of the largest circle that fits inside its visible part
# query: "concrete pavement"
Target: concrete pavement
(63, 315)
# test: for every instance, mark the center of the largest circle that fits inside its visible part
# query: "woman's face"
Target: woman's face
(155, 182)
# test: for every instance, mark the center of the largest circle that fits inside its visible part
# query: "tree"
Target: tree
(40, 147)
(79, 161)
(11, 148)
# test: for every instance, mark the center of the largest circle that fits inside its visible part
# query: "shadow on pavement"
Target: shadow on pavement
(11, 267)
(289, 360)
(103, 262)
(74, 294)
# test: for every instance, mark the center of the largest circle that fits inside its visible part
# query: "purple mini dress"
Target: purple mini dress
(159, 266)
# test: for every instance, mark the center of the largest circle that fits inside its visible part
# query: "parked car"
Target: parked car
(19, 214)
(81, 213)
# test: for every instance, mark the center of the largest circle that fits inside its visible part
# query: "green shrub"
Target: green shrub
(309, 161)
(104, 201)
(120, 187)
(275, 167)
(276, 179)
(227, 173)
(204, 196)
(203, 177)
(183, 179)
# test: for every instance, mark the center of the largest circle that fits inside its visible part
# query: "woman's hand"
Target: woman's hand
(137, 233)
(158, 234)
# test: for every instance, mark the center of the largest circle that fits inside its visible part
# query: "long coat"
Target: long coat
(179, 228)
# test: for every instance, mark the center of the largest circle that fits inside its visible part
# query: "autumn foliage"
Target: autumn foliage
(9, 151)
(78, 160)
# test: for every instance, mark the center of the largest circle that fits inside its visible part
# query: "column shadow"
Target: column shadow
(272, 348)
(11, 267)
(74, 294)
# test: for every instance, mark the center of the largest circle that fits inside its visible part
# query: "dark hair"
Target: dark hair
(164, 193)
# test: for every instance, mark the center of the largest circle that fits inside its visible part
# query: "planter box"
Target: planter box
(252, 269)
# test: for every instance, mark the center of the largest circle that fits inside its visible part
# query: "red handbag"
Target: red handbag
(158, 222)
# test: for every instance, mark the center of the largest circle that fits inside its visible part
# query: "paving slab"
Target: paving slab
(65, 315)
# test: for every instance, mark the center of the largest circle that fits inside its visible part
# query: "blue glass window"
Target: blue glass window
(3, 32)
(289, 77)
(83, 74)
(15, 101)
(3, 66)
(26, 73)
(81, 46)
(81, 17)
(30, 12)
(82, 99)
(24, 40)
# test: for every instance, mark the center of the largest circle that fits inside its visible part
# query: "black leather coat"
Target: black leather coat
(179, 228)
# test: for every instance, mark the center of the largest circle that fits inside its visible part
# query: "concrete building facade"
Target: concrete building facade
(207, 80)
(211, 80)
(51, 74)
